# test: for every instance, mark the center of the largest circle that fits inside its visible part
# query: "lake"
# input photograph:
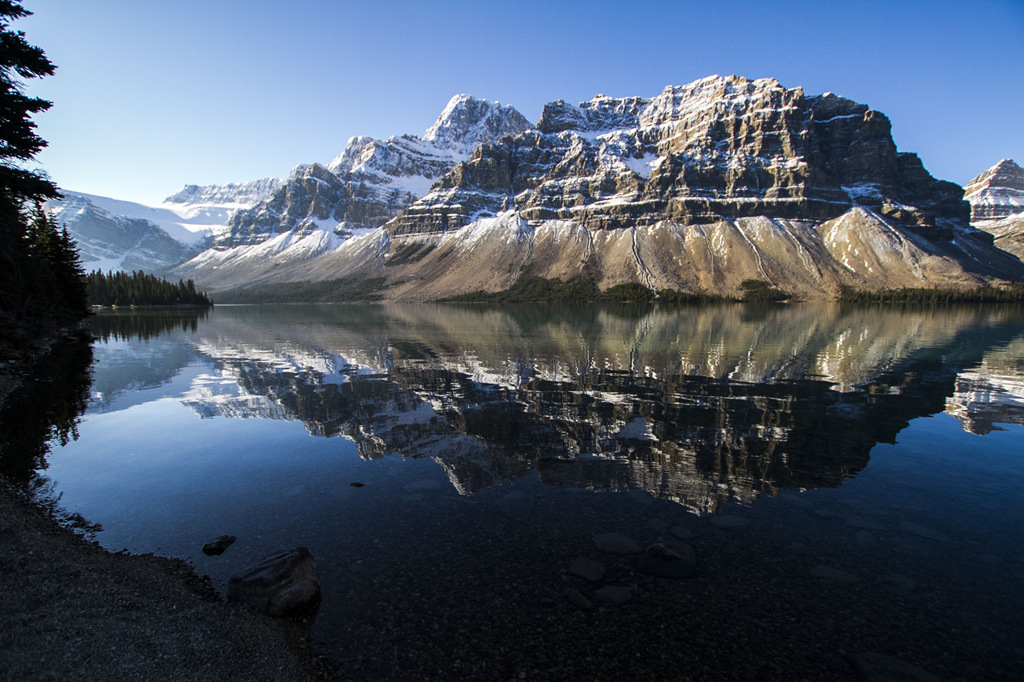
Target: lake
(847, 480)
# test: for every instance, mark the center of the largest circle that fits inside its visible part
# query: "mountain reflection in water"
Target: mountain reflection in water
(821, 464)
(697, 405)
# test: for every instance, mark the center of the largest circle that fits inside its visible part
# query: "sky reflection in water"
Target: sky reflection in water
(876, 442)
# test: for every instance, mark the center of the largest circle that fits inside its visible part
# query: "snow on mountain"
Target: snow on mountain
(124, 235)
(997, 193)
(111, 235)
(997, 204)
(231, 195)
(698, 188)
(371, 180)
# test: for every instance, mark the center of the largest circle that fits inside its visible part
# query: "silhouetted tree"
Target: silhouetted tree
(40, 272)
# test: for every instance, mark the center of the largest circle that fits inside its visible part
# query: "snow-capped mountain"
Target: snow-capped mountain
(371, 180)
(210, 208)
(318, 208)
(698, 189)
(109, 240)
(997, 204)
(113, 234)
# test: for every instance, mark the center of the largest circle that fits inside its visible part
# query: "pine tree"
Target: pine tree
(40, 271)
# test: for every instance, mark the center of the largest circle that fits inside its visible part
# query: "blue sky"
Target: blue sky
(152, 95)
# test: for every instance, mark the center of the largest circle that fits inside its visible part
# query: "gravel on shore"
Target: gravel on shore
(74, 611)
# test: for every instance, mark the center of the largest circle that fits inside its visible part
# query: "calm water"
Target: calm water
(849, 478)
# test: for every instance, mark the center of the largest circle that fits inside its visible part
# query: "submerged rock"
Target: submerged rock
(588, 568)
(217, 546)
(281, 582)
(876, 667)
(576, 598)
(681, 532)
(662, 561)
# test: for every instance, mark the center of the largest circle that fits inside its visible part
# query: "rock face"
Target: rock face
(278, 584)
(699, 188)
(372, 180)
(718, 148)
(997, 204)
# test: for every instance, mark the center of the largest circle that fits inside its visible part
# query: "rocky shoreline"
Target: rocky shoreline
(74, 611)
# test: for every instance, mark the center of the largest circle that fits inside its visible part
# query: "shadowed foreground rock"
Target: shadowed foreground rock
(217, 546)
(279, 584)
(73, 611)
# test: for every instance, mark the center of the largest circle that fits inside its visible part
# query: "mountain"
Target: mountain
(997, 204)
(699, 188)
(122, 235)
(113, 241)
(211, 207)
(318, 207)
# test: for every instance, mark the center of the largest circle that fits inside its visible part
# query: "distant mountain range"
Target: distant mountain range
(699, 188)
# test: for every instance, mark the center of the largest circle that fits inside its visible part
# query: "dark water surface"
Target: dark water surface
(849, 479)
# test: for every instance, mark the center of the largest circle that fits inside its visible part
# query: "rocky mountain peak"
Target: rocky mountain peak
(1006, 173)
(997, 193)
(717, 148)
(372, 180)
(997, 204)
(357, 152)
(467, 122)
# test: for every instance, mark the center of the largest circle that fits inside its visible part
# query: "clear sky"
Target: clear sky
(151, 95)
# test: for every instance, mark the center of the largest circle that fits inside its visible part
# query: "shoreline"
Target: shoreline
(76, 611)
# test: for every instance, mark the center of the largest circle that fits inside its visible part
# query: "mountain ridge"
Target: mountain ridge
(698, 188)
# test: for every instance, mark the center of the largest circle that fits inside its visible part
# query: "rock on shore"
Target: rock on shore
(73, 611)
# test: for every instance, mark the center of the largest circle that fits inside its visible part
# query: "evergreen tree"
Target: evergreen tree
(139, 289)
(18, 140)
(40, 271)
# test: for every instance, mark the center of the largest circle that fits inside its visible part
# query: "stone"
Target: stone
(681, 532)
(613, 595)
(588, 568)
(834, 574)
(280, 583)
(616, 543)
(217, 546)
(730, 522)
(576, 598)
(876, 667)
(663, 561)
